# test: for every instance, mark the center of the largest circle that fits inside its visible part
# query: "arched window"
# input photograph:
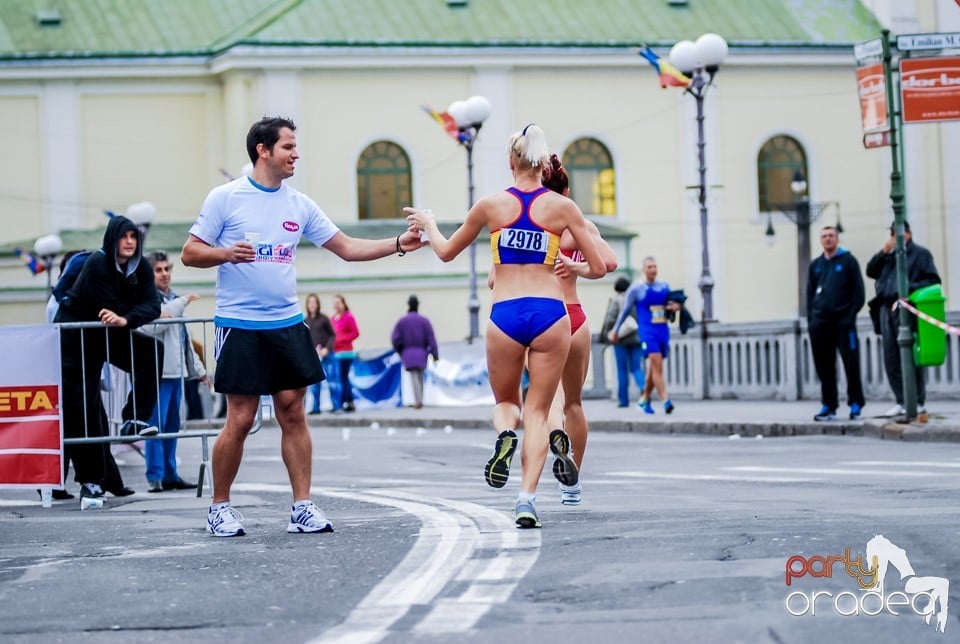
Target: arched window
(592, 177)
(383, 181)
(777, 163)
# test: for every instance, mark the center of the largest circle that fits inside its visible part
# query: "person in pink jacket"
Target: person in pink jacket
(345, 326)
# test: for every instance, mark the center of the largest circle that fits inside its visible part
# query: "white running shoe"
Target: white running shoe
(570, 495)
(225, 522)
(308, 518)
(896, 410)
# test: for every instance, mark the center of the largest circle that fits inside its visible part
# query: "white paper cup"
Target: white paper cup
(90, 504)
(424, 237)
(252, 238)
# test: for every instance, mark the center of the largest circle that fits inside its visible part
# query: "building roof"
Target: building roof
(151, 28)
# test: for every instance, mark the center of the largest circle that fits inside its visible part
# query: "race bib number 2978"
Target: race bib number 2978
(518, 239)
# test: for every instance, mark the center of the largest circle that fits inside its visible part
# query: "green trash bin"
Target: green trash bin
(929, 341)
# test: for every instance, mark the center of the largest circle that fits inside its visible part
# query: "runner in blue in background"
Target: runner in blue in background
(649, 300)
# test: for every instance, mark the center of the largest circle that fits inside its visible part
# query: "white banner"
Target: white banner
(459, 378)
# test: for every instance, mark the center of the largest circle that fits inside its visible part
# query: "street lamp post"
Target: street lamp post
(802, 213)
(47, 248)
(469, 116)
(701, 60)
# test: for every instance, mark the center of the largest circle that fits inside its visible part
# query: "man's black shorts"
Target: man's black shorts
(262, 362)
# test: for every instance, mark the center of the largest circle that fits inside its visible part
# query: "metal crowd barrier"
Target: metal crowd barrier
(772, 360)
(117, 386)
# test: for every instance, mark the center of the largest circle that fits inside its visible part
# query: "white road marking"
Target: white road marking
(901, 463)
(710, 477)
(18, 503)
(444, 551)
(492, 579)
(840, 471)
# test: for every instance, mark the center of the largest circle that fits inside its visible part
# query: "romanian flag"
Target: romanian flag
(31, 262)
(669, 75)
(445, 120)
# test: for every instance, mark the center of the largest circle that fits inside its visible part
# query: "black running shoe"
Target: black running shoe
(564, 467)
(497, 469)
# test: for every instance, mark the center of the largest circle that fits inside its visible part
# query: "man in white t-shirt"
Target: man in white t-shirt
(249, 228)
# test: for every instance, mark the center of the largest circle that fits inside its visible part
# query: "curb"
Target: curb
(880, 430)
(913, 432)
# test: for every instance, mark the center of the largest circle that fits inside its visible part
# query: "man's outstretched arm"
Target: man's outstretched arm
(355, 249)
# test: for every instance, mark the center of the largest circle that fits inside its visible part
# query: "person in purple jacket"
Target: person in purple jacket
(414, 340)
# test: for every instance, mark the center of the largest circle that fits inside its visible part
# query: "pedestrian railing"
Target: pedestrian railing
(774, 360)
(117, 390)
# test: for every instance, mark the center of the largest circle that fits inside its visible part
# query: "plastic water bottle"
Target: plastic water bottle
(46, 497)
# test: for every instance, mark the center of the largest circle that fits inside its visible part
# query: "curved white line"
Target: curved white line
(438, 554)
(441, 554)
(444, 552)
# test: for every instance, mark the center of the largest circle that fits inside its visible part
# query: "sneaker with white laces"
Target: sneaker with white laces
(527, 514)
(90, 491)
(307, 517)
(138, 428)
(224, 522)
(570, 494)
(896, 410)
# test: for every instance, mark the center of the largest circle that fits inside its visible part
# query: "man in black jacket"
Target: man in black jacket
(115, 287)
(834, 296)
(921, 272)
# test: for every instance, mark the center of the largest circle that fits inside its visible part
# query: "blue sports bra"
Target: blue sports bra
(524, 241)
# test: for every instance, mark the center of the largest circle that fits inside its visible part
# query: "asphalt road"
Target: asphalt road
(679, 539)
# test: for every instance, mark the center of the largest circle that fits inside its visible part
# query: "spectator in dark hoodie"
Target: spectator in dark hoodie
(835, 295)
(921, 271)
(414, 340)
(114, 288)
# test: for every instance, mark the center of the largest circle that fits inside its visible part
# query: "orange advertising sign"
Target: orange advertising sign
(930, 89)
(872, 87)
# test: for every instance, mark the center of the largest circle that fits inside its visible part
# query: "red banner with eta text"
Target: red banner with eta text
(31, 435)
